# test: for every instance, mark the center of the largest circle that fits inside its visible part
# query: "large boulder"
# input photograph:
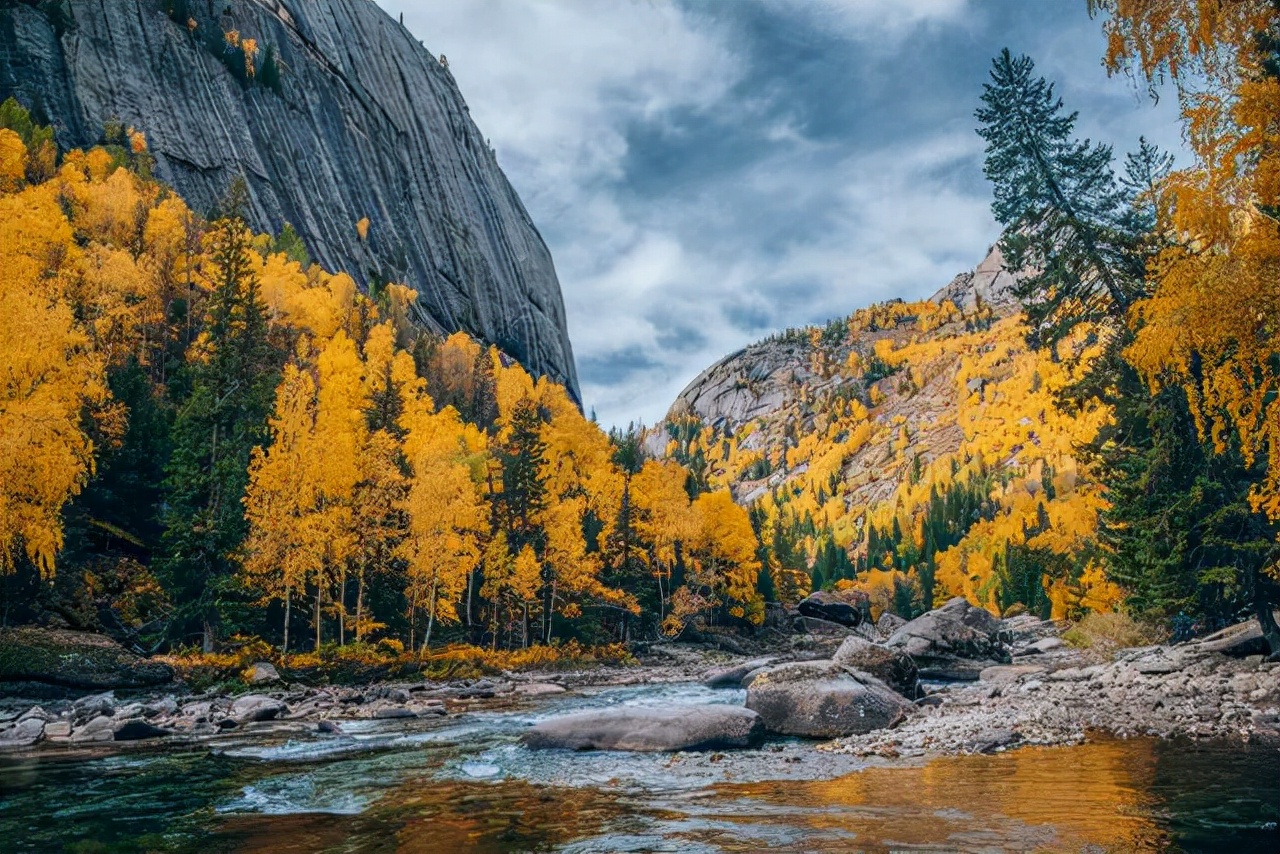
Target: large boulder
(821, 699)
(24, 733)
(670, 728)
(74, 660)
(956, 641)
(257, 707)
(848, 607)
(891, 666)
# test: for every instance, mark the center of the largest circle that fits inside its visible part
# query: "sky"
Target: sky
(707, 172)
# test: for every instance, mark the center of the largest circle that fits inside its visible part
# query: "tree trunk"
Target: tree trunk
(431, 616)
(342, 607)
(359, 604)
(288, 603)
(319, 590)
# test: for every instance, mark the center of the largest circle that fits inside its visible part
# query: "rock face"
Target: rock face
(820, 699)
(709, 727)
(74, 660)
(366, 123)
(956, 641)
(891, 666)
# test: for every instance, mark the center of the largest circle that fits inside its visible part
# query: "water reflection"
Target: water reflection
(469, 786)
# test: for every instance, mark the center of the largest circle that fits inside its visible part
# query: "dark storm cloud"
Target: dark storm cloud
(708, 172)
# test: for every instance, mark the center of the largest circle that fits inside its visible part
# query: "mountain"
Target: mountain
(915, 449)
(341, 123)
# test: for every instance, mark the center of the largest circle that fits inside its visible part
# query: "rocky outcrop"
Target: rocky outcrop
(364, 124)
(990, 283)
(891, 666)
(821, 699)
(74, 660)
(956, 641)
(710, 727)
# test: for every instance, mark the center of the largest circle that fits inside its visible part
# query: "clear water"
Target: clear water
(469, 786)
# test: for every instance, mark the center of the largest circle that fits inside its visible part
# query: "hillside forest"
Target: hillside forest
(206, 437)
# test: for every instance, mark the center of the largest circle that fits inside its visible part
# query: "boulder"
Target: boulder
(261, 673)
(956, 641)
(848, 608)
(257, 707)
(139, 730)
(819, 626)
(670, 728)
(57, 729)
(74, 660)
(22, 734)
(101, 728)
(387, 713)
(891, 666)
(731, 677)
(889, 623)
(821, 699)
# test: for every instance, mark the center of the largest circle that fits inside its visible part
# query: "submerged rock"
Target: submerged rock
(708, 727)
(821, 699)
(138, 730)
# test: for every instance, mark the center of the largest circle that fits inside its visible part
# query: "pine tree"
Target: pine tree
(1064, 212)
(232, 382)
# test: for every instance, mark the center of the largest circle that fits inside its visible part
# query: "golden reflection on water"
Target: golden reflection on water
(1025, 800)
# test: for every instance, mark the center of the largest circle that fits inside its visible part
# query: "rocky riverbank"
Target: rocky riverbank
(955, 680)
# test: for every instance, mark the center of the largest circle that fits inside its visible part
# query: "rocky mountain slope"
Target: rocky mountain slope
(334, 114)
(914, 448)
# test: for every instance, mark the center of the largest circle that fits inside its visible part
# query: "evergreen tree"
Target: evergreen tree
(524, 495)
(215, 430)
(1065, 213)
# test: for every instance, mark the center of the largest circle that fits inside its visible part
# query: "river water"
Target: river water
(469, 786)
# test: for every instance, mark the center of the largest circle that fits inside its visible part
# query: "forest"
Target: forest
(205, 437)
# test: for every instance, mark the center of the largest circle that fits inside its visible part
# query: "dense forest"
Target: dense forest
(203, 435)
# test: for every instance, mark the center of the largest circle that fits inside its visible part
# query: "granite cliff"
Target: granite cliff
(344, 117)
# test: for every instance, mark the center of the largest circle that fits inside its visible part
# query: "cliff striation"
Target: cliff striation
(338, 116)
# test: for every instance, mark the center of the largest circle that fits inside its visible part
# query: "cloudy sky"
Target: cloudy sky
(709, 171)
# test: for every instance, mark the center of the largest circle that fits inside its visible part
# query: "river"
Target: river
(467, 785)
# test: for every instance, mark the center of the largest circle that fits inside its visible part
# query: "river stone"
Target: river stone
(139, 730)
(538, 689)
(366, 123)
(261, 673)
(100, 728)
(57, 729)
(74, 660)
(641, 729)
(731, 677)
(891, 666)
(22, 734)
(257, 707)
(956, 641)
(1001, 674)
(387, 713)
(821, 699)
